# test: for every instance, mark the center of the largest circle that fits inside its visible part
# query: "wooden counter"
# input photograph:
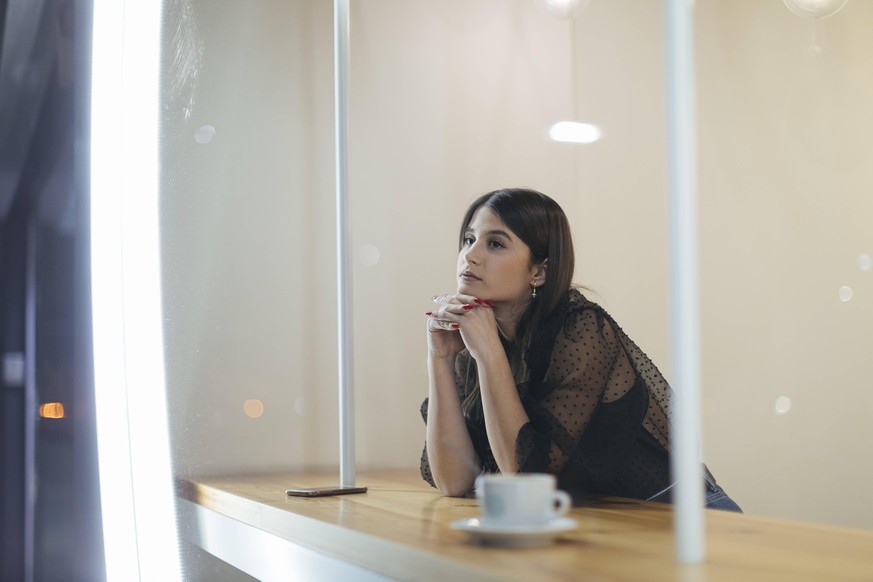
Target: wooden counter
(400, 529)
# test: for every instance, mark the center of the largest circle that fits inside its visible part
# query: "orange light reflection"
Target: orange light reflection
(51, 410)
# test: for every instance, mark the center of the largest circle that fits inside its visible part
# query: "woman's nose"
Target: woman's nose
(472, 255)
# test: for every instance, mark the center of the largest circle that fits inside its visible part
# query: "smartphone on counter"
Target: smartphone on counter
(326, 491)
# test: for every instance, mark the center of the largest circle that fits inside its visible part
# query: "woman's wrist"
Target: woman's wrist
(437, 359)
(441, 372)
(490, 353)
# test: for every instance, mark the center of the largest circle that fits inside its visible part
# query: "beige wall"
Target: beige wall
(451, 99)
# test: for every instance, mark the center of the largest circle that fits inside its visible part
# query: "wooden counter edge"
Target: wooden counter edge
(368, 551)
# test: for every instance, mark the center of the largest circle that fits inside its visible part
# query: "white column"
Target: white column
(688, 501)
(344, 267)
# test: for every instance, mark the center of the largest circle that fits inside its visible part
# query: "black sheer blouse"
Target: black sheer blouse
(598, 408)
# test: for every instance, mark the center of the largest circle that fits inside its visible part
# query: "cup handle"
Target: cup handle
(563, 501)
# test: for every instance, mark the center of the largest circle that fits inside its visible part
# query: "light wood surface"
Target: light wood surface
(401, 528)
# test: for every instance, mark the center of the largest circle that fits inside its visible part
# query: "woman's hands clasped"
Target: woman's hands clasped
(462, 320)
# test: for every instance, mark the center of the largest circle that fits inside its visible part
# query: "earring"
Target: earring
(534, 292)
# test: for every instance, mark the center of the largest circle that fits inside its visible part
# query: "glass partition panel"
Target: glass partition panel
(786, 144)
(451, 99)
(446, 101)
(783, 109)
(248, 235)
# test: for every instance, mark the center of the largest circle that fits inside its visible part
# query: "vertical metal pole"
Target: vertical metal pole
(344, 271)
(690, 532)
(30, 398)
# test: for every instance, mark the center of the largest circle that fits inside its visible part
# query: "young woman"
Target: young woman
(527, 375)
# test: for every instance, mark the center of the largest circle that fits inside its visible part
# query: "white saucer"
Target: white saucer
(514, 536)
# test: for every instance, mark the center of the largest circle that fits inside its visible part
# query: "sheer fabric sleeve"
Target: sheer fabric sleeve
(581, 414)
(425, 464)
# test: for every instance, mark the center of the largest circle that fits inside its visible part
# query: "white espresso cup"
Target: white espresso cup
(520, 500)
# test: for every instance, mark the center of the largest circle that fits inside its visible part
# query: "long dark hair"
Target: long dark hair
(542, 225)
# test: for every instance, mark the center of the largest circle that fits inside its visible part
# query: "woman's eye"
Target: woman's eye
(495, 244)
(468, 241)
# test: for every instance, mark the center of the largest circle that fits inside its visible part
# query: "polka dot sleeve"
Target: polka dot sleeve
(588, 369)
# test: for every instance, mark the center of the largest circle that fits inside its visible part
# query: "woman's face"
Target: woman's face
(494, 263)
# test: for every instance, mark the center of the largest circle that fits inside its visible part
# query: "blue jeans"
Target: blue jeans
(715, 497)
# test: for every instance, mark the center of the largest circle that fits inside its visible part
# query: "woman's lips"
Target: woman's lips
(468, 276)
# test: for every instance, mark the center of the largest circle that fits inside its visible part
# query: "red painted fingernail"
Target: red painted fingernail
(479, 301)
(489, 303)
(456, 326)
(429, 313)
(468, 307)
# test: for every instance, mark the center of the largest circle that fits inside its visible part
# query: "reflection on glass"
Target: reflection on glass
(369, 255)
(51, 410)
(563, 8)
(846, 293)
(574, 132)
(815, 9)
(204, 134)
(253, 408)
(782, 405)
(299, 406)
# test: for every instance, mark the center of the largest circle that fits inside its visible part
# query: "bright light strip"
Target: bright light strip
(574, 132)
(139, 521)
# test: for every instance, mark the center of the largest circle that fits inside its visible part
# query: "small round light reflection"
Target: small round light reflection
(865, 262)
(253, 408)
(782, 405)
(369, 255)
(204, 134)
(846, 293)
